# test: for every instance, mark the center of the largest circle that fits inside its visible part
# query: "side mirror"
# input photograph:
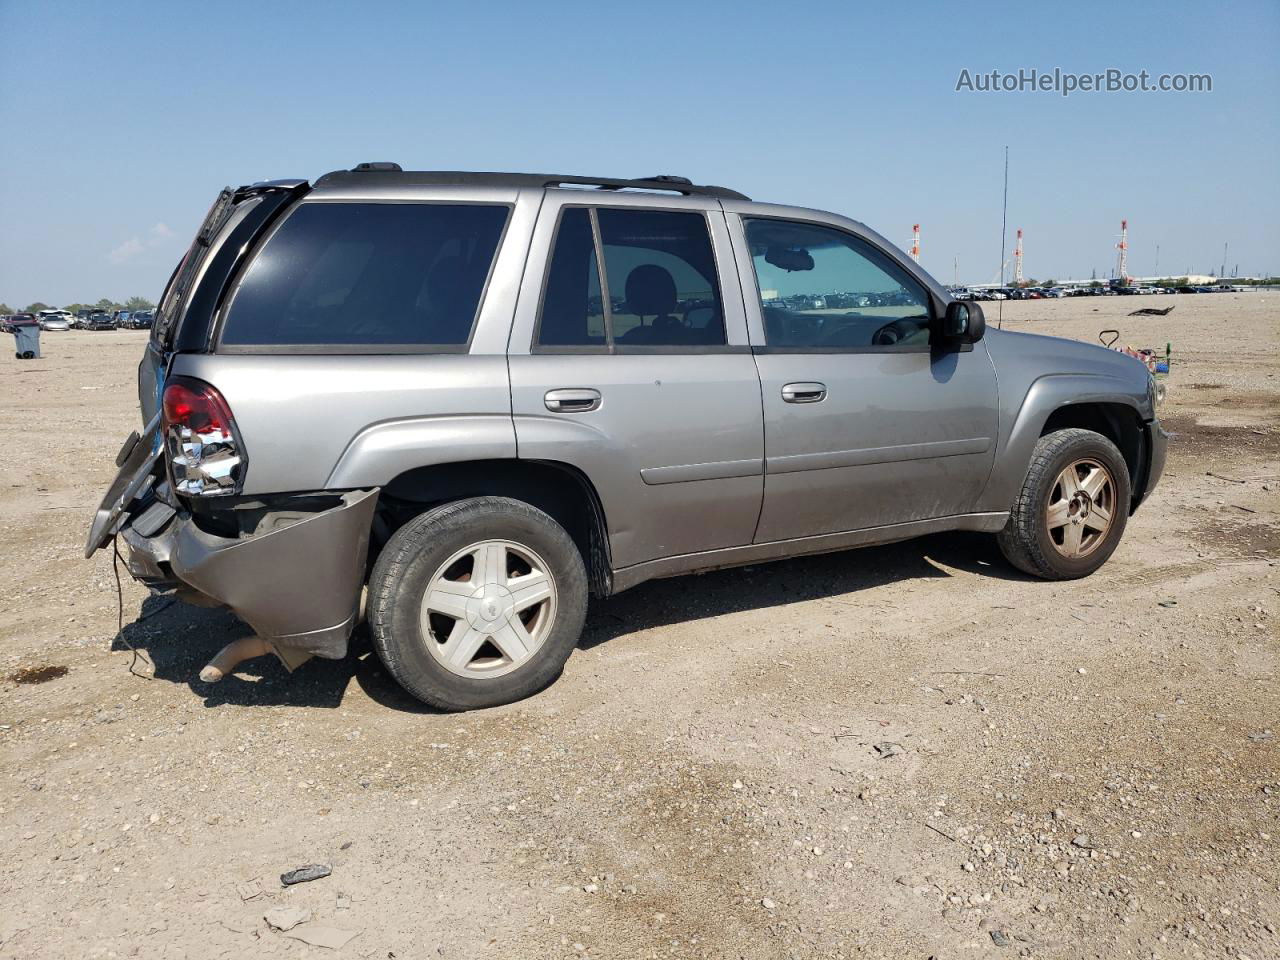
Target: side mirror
(963, 322)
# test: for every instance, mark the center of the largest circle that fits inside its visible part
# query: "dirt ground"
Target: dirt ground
(1087, 769)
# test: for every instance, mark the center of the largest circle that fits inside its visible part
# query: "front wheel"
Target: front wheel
(477, 603)
(1071, 512)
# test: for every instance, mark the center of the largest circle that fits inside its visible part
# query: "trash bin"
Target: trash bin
(28, 341)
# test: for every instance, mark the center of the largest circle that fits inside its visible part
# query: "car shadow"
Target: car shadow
(180, 639)
(659, 603)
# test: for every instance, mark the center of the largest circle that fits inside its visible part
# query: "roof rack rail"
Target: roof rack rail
(391, 173)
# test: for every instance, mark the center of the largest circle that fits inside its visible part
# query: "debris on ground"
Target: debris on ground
(249, 889)
(38, 674)
(319, 935)
(1152, 312)
(286, 918)
(887, 749)
(312, 871)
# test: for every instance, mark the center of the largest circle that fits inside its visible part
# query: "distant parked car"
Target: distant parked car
(120, 318)
(100, 321)
(15, 320)
(57, 320)
(142, 319)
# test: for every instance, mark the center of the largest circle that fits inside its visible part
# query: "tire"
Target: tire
(1052, 530)
(455, 577)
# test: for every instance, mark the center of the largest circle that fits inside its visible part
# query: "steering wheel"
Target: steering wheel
(894, 332)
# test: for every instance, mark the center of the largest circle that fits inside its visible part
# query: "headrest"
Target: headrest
(650, 291)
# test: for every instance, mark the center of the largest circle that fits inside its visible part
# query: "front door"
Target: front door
(865, 424)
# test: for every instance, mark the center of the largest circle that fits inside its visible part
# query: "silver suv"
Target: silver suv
(485, 396)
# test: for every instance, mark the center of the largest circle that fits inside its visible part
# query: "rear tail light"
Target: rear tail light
(206, 456)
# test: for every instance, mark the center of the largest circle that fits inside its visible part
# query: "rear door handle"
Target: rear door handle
(572, 400)
(804, 392)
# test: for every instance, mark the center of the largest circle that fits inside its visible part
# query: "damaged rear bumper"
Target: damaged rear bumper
(293, 570)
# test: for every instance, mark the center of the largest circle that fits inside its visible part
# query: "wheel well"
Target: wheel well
(558, 489)
(1118, 423)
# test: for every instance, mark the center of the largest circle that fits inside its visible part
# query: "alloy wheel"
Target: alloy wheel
(1081, 508)
(488, 608)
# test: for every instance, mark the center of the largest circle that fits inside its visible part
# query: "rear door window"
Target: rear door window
(381, 275)
(660, 289)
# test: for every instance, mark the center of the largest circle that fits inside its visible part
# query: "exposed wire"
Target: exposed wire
(137, 654)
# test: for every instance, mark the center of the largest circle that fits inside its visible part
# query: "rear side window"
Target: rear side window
(660, 286)
(376, 274)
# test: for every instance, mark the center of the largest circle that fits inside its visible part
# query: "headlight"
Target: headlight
(1157, 389)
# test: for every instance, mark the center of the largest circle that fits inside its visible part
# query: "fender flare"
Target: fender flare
(1047, 394)
(388, 449)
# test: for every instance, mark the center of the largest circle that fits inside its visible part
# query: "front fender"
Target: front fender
(1045, 395)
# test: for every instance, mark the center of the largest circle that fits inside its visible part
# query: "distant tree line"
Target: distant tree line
(105, 305)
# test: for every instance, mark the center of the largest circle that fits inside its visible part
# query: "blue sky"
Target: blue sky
(122, 120)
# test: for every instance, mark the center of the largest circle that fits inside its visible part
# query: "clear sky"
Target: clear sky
(122, 120)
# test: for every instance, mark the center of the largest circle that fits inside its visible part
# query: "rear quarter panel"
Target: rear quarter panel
(327, 420)
(335, 422)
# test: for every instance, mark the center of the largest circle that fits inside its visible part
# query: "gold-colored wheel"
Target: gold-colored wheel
(1081, 508)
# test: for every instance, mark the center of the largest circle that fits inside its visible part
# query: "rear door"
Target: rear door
(629, 360)
(866, 425)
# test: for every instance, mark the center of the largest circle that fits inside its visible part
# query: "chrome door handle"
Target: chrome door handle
(804, 392)
(572, 400)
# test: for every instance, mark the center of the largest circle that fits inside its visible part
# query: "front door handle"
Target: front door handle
(804, 392)
(572, 400)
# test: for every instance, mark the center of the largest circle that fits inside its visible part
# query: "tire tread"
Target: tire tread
(1019, 541)
(418, 536)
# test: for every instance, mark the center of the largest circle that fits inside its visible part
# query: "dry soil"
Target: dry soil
(1084, 769)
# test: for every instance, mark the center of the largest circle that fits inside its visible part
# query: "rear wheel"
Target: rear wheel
(477, 603)
(1072, 509)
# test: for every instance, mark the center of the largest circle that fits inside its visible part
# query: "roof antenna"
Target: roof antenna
(1004, 231)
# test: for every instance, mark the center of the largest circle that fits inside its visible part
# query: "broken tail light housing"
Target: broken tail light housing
(202, 444)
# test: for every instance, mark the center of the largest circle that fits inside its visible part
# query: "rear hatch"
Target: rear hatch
(184, 324)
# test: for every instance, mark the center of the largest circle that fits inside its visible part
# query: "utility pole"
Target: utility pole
(915, 243)
(1017, 260)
